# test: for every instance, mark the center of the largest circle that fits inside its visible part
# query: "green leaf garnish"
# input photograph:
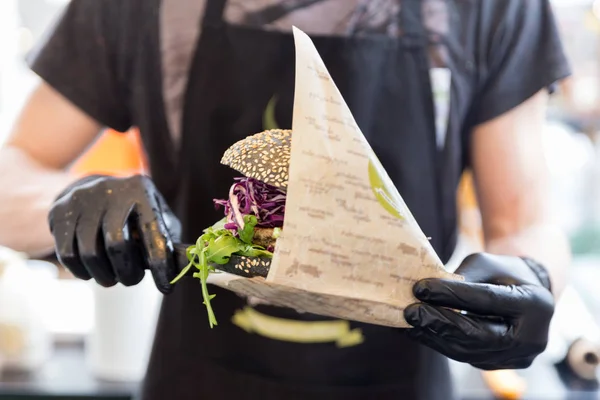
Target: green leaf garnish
(219, 250)
(216, 246)
(182, 273)
(218, 225)
(247, 234)
(254, 251)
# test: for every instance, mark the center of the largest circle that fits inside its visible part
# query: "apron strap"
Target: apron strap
(180, 23)
(415, 37)
(179, 31)
(213, 14)
(412, 25)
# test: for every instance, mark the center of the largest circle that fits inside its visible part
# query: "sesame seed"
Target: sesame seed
(263, 156)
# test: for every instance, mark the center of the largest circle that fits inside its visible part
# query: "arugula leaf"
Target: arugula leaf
(254, 251)
(219, 225)
(204, 270)
(216, 246)
(182, 273)
(247, 234)
(220, 249)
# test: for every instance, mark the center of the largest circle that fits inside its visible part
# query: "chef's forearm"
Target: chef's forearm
(544, 243)
(28, 191)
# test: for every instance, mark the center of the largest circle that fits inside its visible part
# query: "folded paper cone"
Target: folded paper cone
(350, 248)
(348, 308)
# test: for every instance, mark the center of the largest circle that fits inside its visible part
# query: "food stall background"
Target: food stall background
(42, 337)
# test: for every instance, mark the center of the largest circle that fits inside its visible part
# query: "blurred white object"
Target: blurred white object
(71, 309)
(574, 335)
(16, 80)
(25, 342)
(586, 282)
(67, 304)
(464, 247)
(571, 3)
(569, 155)
(125, 319)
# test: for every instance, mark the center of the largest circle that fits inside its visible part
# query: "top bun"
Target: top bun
(264, 156)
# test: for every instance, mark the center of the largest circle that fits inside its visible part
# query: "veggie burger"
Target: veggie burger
(243, 242)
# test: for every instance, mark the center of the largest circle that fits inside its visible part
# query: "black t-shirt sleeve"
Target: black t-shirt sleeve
(83, 58)
(519, 52)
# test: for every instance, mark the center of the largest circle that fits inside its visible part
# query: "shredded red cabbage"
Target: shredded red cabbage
(251, 196)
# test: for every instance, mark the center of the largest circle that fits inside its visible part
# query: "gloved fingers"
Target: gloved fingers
(124, 253)
(75, 187)
(90, 243)
(516, 363)
(63, 224)
(453, 327)
(478, 298)
(455, 350)
(485, 359)
(158, 245)
(59, 216)
(173, 224)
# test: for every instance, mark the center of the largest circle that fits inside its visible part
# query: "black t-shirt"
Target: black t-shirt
(105, 56)
(508, 49)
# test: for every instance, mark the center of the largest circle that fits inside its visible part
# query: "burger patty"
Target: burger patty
(264, 237)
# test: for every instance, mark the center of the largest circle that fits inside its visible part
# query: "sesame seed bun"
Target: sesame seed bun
(264, 156)
(248, 267)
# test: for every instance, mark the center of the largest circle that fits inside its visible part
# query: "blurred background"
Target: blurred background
(57, 340)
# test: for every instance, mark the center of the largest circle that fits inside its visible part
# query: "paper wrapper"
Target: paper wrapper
(350, 248)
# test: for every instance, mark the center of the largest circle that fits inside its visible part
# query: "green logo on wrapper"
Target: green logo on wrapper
(383, 189)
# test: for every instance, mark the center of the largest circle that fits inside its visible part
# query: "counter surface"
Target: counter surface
(66, 377)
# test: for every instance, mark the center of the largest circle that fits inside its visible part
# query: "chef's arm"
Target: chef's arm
(49, 134)
(512, 183)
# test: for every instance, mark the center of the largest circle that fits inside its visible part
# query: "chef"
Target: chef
(437, 86)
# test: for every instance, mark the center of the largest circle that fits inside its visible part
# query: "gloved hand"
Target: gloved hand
(112, 229)
(498, 318)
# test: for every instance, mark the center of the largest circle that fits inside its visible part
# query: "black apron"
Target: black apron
(235, 73)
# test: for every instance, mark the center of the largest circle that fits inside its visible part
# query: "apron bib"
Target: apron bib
(236, 73)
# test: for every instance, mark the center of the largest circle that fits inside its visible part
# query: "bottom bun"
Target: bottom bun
(248, 267)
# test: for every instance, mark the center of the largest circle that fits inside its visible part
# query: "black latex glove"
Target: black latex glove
(506, 305)
(112, 229)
